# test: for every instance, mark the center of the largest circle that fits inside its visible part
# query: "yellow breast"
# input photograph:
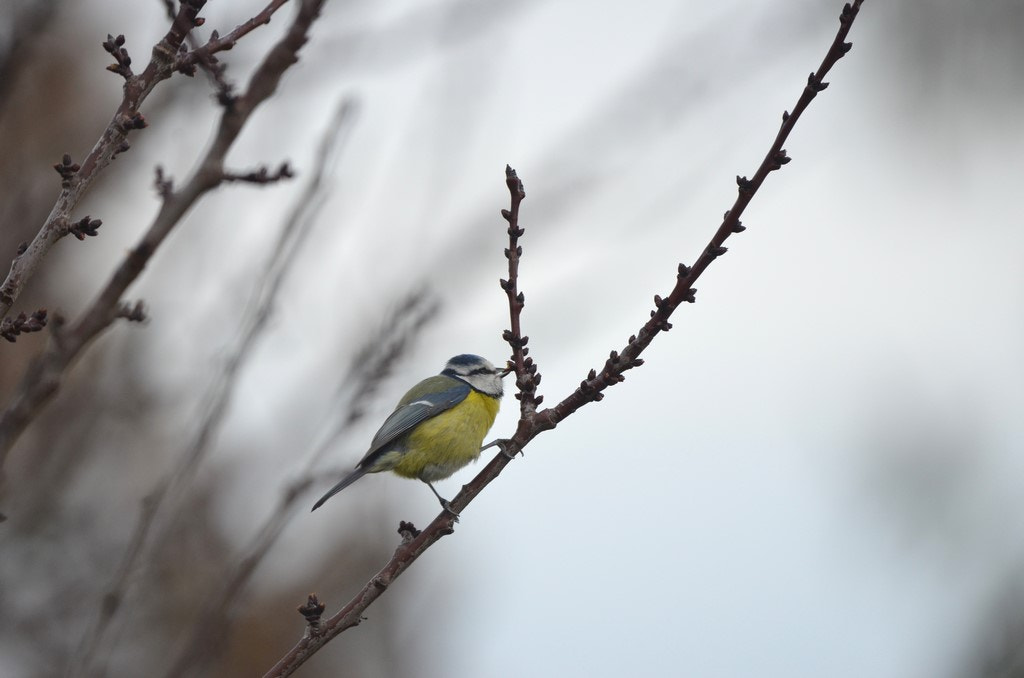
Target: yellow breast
(442, 445)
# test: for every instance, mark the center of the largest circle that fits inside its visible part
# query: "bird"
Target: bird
(437, 427)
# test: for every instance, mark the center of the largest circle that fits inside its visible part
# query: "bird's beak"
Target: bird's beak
(509, 367)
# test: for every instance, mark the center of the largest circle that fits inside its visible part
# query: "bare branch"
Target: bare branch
(167, 57)
(263, 175)
(525, 369)
(532, 424)
(43, 377)
(209, 63)
(76, 181)
(297, 227)
(218, 43)
(619, 362)
(217, 399)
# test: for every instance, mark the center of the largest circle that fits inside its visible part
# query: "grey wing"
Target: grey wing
(408, 416)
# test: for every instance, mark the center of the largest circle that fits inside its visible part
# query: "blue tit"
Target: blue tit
(437, 427)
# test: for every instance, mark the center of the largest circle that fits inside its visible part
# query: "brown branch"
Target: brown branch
(217, 398)
(167, 57)
(76, 181)
(44, 375)
(263, 175)
(213, 68)
(533, 423)
(527, 378)
(298, 225)
(218, 43)
(591, 388)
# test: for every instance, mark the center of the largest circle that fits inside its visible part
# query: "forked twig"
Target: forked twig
(44, 375)
(167, 57)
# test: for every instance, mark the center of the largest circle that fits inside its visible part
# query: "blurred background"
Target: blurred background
(817, 472)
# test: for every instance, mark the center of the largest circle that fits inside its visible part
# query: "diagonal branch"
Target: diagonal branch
(218, 43)
(532, 423)
(113, 141)
(590, 390)
(44, 375)
(170, 54)
(165, 60)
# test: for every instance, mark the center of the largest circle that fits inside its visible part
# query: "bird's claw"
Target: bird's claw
(447, 506)
(503, 446)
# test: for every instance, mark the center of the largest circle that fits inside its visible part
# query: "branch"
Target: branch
(44, 375)
(527, 378)
(263, 175)
(590, 390)
(210, 65)
(168, 55)
(76, 180)
(216, 43)
(532, 423)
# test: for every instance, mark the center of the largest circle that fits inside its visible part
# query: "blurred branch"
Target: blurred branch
(44, 375)
(113, 141)
(374, 362)
(378, 357)
(161, 501)
(999, 638)
(29, 20)
(531, 422)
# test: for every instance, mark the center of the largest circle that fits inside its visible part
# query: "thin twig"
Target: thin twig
(590, 390)
(525, 369)
(44, 375)
(218, 43)
(213, 68)
(298, 225)
(166, 58)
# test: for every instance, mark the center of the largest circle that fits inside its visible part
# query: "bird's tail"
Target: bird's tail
(345, 482)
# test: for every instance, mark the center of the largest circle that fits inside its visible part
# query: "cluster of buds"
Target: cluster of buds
(122, 62)
(86, 226)
(10, 328)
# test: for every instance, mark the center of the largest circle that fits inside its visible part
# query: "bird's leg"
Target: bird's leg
(445, 504)
(501, 444)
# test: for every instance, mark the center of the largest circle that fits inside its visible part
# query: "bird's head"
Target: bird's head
(477, 372)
